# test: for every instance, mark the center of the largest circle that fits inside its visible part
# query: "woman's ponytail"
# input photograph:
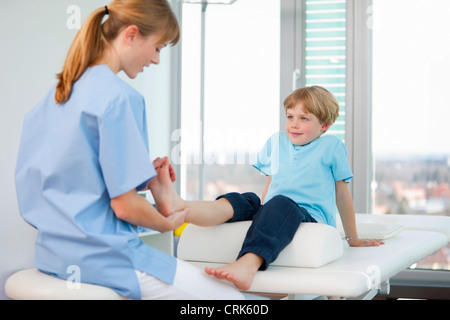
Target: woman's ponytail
(150, 16)
(86, 47)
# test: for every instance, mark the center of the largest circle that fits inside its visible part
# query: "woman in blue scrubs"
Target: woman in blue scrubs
(84, 154)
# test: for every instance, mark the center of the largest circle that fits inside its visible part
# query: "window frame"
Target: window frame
(358, 117)
(175, 105)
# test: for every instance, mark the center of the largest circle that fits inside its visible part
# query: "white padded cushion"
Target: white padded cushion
(371, 226)
(31, 284)
(439, 224)
(373, 230)
(314, 244)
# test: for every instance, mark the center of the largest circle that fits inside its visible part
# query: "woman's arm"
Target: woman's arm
(134, 209)
(346, 211)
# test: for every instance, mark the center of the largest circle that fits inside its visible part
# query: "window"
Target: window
(410, 76)
(387, 63)
(230, 100)
(231, 97)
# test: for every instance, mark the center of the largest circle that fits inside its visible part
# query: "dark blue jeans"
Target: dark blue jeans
(274, 223)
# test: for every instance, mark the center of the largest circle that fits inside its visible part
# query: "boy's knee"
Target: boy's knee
(253, 200)
(244, 205)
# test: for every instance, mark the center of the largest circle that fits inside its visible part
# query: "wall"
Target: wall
(34, 38)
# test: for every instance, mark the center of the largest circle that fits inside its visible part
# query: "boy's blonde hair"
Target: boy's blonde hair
(316, 100)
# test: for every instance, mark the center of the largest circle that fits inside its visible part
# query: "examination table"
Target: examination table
(318, 263)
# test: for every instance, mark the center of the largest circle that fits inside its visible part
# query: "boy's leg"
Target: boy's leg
(190, 283)
(230, 207)
(273, 228)
(208, 213)
(244, 205)
(202, 213)
(240, 272)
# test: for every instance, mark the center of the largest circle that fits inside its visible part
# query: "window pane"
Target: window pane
(241, 94)
(411, 64)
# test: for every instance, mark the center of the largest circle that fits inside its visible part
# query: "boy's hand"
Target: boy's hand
(356, 242)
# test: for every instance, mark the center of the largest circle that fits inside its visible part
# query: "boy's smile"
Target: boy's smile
(303, 127)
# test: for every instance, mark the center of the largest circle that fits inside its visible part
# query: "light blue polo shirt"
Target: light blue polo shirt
(73, 159)
(306, 174)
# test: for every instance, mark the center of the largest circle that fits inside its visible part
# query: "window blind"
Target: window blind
(325, 52)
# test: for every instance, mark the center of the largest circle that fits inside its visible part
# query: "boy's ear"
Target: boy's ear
(325, 127)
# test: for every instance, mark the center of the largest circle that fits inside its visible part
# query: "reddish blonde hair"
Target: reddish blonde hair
(150, 16)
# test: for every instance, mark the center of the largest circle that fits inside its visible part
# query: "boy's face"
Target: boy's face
(302, 127)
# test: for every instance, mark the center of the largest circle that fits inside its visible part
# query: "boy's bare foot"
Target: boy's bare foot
(240, 273)
(158, 162)
(166, 198)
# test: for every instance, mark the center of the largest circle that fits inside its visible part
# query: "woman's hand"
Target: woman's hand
(176, 219)
(136, 210)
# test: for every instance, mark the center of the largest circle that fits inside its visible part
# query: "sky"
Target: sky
(411, 68)
(242, 102)
(411, 76)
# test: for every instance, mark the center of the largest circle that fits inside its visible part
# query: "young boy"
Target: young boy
(307, 178)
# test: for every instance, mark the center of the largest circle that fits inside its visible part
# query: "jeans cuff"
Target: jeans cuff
(244, 205)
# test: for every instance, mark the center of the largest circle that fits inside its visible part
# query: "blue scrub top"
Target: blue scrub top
(307, 174)
(73, 159)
